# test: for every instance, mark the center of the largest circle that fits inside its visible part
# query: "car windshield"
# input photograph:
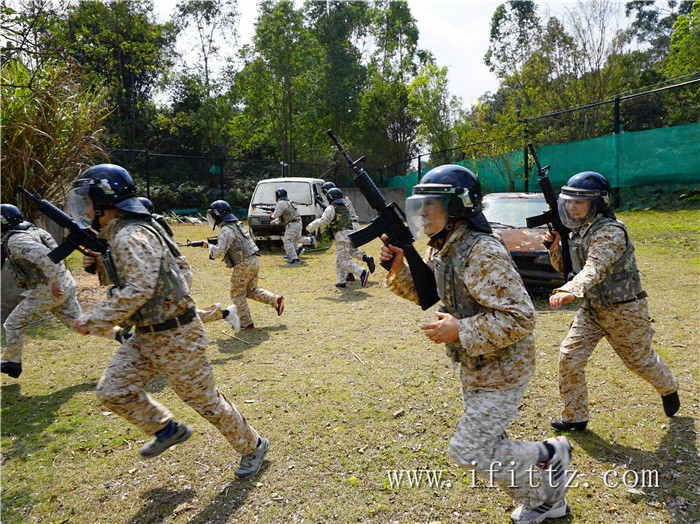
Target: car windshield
(513, 211)
(296, 192)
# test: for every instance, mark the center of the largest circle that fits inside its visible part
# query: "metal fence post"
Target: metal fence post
(221, 177)
(616, 191)
(148, 176)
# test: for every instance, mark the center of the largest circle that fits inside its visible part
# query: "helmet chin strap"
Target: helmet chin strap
(99, 212)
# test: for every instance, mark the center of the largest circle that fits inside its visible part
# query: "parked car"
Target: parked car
(507, 214)
(304, 193)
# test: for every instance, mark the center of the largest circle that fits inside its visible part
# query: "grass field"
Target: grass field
(346, 388)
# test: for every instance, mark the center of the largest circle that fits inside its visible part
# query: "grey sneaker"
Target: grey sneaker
(156, 446)
(525, 515)
(555, 474)
(250, 463)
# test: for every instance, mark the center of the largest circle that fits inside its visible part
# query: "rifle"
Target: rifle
(199, 243)
(81, 238)
(392, 223)
(551, 216)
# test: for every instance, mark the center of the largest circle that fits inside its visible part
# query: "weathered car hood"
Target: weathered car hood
(523, 240)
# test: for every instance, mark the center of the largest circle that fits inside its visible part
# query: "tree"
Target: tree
(684, 51)
(215, 21)
(653, 23)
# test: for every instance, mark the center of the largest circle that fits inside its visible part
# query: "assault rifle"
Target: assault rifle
(551, 216)
(392, 223)
(81, 238)
(199, 243)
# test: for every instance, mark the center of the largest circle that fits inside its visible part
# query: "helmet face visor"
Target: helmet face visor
(210, 219)
(79, 206)
(426, 214)
(575, 212)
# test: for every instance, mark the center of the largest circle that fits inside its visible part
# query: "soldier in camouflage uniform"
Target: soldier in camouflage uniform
(240, 253)
(354, 217)
(49, 287)
(150, 291)
(486, 322)
(286, 214)
(614, 304)
(337, 217)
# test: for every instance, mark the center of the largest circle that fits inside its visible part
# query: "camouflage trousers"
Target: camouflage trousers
(36, 303)
(179, 355)
(628, 330)
(344, 263)
(210, 314)
(244, 285)
(292, 239)
(480, 443)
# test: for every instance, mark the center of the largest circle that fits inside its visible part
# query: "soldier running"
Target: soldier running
(286, 214)
(150, 291)
(613, 306)
(486, 322)
(49, 287)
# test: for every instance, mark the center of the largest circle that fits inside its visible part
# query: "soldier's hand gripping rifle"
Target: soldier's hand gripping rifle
(81, 238)
(200, 243)
(392, 223)
(551, 216)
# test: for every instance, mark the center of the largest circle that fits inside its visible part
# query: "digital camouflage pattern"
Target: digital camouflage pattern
(286, 214)
(491, 391)
(179, 354)
(343, 247)
(233, 244)
(29, 250)
(480, 442)
(354, 252)
(627, 327)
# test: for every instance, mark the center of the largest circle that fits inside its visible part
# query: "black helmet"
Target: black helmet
(220, 211)
(146, 202)
(586, 185)
(281, 194)
(108, 186)
(10, 217)
(460, 193)
(335, 195)
(327, 186)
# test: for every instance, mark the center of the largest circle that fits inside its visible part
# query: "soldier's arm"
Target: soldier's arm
(137, 253)
(323, 221)
(22, 245)
(224, 239)
(401, 282)
(556, 258)
(279, 209)
(507, 314)
(606, 247)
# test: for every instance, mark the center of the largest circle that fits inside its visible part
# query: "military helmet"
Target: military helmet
(10, 217)
(327, 186)
(589, 186)
(335, 195)
(220, 211)
(281, 194)
(459, 192)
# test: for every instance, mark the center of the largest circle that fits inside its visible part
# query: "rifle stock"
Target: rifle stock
(551, 217)
(392, 223)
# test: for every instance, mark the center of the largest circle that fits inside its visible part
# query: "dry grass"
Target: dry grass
(323, 382)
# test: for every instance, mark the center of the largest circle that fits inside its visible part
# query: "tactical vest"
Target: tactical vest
(239, 251)
(171, 284)
(342, 219)
(621, 282)
(27, 274)
(456, 299)
(289, 214)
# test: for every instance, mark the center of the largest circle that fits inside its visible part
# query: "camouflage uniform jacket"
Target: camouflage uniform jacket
(27, 252)
(285, 212)
(353, 214)
(138, 255)
(325, 220)
(505, 315)
(233, 243)
(605, 246)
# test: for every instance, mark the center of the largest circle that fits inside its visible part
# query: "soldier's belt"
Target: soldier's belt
(187, 317)
(639, 296)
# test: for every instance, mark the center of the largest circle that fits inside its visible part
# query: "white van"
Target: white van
(303, 192)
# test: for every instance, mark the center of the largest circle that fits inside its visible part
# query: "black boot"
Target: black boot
(370, 263)
(562, 425)
(671, 403)
(350, 278)
(14, 369)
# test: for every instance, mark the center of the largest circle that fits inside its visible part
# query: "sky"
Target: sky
(455, 31)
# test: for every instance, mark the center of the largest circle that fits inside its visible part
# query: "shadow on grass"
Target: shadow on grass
(676, 461)
(347, 295)
(163, 503)
(227, 502)
(27, 417)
